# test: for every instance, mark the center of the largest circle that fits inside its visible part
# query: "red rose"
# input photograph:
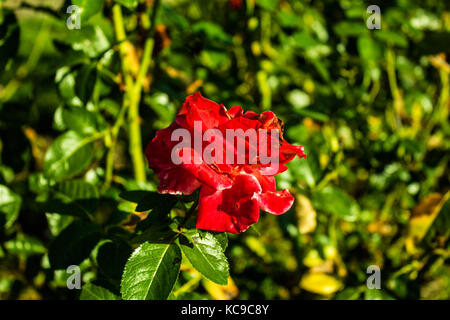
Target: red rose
(235, 177)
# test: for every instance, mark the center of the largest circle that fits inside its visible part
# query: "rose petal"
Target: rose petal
(235, 111)
(232, 210)
(158, 151)
(198, 108)
(203, 172)
(173, 179)
(177, 181)
(288, 152)
(275, 202)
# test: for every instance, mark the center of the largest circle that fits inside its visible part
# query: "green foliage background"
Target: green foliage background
(371, 107)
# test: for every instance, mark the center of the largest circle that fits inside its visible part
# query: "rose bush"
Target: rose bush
(78, 108)
(231, 193)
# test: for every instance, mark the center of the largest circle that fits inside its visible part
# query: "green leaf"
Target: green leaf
(112, 257)
(148, 200)
(371, 294)
(441, 224)
(350, 28)
(73, 244)
(206, 255)
(211, 30)
(68, 155)
(394, 38)
(369, 49)
(85, 82)
(91, 40)
(267, 4)
(223, 239)
(151, 272)
(74, 198)
(37, 183)
(335, 201)
(92, 292)
(66, 87)
(25, 245)
(307, 170)
(77, 189)
(9, 205)
(131, 4)
(82, 121)
(348, 294)
(88, 8)
(57, 222)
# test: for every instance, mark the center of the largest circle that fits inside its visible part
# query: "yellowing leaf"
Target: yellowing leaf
(312, 259)
(219, 292)
(424, 214)
(306, 215)
(320, 283)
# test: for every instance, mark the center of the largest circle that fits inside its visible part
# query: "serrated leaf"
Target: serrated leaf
(223, 239)
(9, 205)
(92, 292)
(73, 244)
(151, 272)
(206, 255)
(68, 155)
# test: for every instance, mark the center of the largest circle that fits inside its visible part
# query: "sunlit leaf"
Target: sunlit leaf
(320, 283)
(68, 155)
(151, 272)
(92, 292)
(206, 255)
(10, 203)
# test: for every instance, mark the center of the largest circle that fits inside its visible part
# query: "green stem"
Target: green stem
(114, 133)
(24, 70)
(121, 38)
(396, 94)
(136, 151)
(133, 91)
(441, 111)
